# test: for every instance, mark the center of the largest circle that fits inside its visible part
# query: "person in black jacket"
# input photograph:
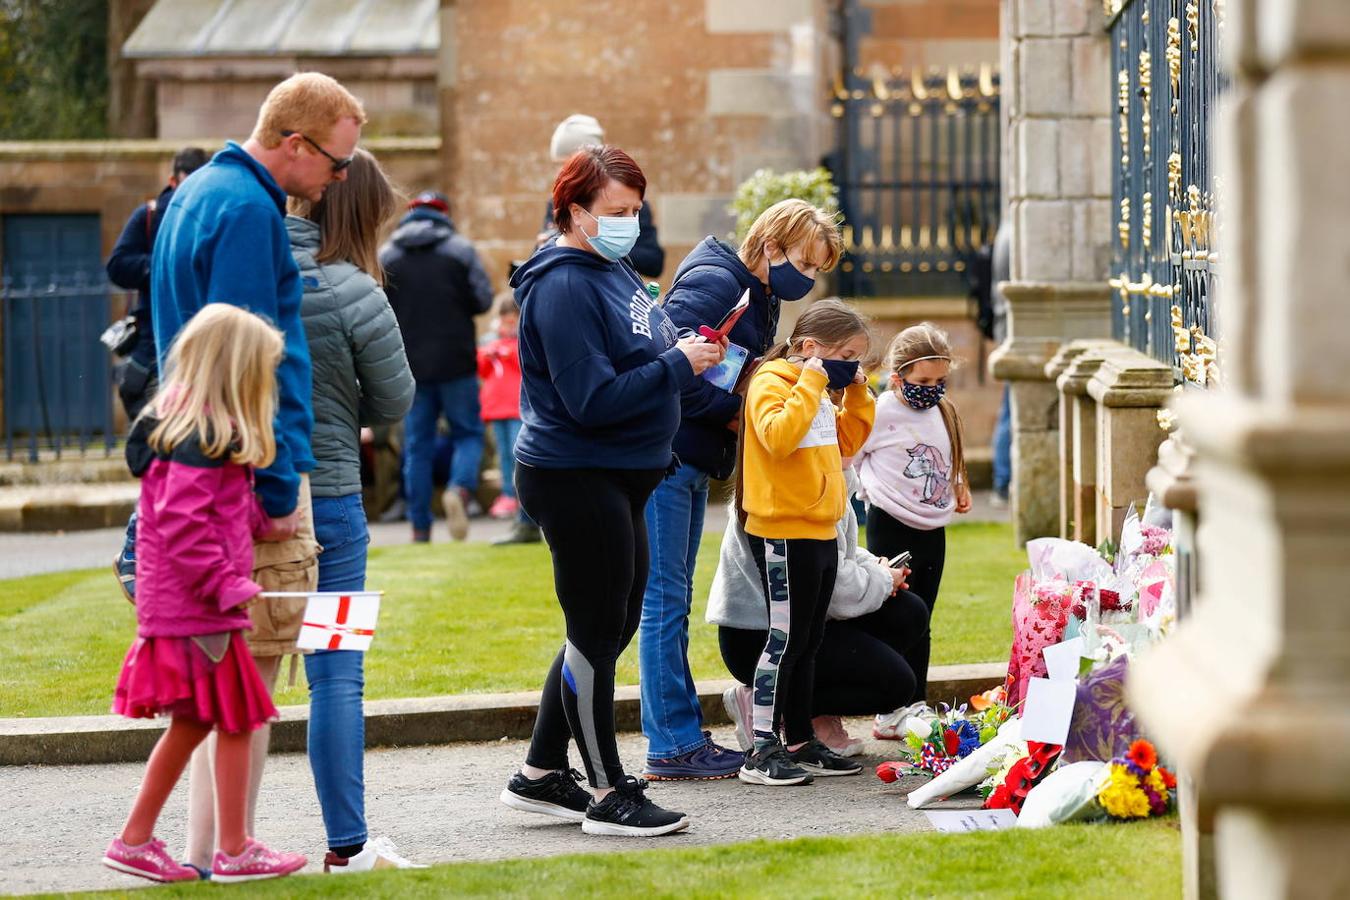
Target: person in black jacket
(129, 267)
(786, 246)
(436, 285)
(573, 133)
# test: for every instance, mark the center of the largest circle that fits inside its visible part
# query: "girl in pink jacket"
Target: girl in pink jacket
(210, 425)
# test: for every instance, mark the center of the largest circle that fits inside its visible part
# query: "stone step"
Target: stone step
(76, 740)
(67, 507)
(91, 468)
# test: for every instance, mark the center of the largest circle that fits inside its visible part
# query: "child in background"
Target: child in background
(913, 473)
(792, 492)
(499, 370)
(208, 428)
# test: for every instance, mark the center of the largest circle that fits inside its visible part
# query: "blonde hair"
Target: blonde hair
(352, 215)
(308, 102)
(829, 322)
(220, 386)
(927, 341)
(793, 223)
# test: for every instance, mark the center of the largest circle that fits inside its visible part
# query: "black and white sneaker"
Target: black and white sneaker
(627, 812)
(816, 758)
(556, 794)
(772, 766)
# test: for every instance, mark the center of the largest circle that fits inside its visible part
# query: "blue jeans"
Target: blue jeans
(672, 719)
(337, 725)
(1003, 444)
(506, 432)
(457, 400)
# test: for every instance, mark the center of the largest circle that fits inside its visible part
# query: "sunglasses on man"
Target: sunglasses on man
(338, 164)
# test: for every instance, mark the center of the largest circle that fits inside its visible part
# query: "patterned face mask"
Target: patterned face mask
(922, 396)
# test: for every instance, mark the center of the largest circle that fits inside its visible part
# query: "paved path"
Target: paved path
(35, 553)
(438, 803)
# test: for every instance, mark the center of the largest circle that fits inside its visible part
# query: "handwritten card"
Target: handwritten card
(1061, 660)
(1048, 710)
(959, 820)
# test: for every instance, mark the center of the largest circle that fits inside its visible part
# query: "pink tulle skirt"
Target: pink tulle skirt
(211, 679)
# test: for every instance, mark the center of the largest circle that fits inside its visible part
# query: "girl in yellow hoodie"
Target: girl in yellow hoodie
(792, 494)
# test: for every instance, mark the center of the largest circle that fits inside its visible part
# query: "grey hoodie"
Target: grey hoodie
(361, 375)
(736, 600)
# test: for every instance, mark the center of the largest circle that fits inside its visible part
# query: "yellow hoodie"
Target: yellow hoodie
(792, 481)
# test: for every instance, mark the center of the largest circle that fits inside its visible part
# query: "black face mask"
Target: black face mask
(841, 372)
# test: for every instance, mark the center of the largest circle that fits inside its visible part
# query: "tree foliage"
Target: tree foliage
(765, 188)
(53, 69)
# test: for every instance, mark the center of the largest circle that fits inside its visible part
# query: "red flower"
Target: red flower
(1000, 798)
(951, 741)
(1143, 755)
(1168, 778)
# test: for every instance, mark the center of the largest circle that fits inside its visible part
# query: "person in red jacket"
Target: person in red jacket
(499, 372)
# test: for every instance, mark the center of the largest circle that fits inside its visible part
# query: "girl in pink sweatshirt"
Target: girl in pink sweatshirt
(209, 426)
(913, 475)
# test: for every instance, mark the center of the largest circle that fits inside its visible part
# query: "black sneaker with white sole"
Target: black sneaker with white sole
(816, 758)
(556, 794)
(628, 813)
(770, 765)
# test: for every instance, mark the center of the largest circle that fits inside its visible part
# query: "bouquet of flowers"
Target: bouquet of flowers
(936, 747)
(1138, 787)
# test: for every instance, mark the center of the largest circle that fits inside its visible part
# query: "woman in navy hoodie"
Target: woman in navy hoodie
(786, 246)
(602, 369)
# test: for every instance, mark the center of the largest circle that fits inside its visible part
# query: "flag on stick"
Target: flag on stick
(337, 620)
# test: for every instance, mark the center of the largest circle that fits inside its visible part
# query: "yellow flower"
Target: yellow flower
(1122, 796)
(1155, 781)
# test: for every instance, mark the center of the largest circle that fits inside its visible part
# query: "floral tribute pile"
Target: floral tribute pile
(1107, 604)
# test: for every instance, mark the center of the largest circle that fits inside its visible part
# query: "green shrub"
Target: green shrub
(767, 187)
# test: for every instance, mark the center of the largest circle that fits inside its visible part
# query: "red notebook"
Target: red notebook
(728, 321)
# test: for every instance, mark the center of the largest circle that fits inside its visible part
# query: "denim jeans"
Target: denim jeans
(1003, 444)
(506, 432)
(337, 726)
(672, 719)
(457, 400)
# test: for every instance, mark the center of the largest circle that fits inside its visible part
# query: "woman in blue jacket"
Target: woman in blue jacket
(602, 368)
(786, 246)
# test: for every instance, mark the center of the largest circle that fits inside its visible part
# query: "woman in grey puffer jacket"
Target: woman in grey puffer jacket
(361, 377)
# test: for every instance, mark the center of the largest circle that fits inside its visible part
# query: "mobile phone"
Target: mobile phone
(900, 560)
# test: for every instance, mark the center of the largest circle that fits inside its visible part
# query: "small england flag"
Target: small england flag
(338, 620)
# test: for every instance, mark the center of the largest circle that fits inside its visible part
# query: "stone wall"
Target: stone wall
(111, 178)
(930, 33)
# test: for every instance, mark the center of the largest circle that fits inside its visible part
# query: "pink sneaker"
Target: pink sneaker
(504, 507)
(149, 860)
(255, 861)
(831, 732)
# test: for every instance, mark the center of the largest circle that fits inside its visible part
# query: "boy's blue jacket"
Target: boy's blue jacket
(707, 285)
(600, 373)
(223, 240)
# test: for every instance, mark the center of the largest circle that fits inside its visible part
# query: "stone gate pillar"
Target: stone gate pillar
(1251, 695)
(1057, 92)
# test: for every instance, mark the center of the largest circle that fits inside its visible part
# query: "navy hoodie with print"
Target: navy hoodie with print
(600, 373)
(707, 285)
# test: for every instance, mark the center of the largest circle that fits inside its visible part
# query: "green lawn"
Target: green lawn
(457, 618)
(1140, 860)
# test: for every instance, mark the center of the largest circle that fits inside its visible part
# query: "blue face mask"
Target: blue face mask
(786, 283)
(922, 396)
(615, 237)
(841, 372)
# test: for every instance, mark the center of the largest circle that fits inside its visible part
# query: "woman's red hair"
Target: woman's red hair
(586, 173)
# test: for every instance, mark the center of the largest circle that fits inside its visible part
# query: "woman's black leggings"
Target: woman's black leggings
(797, 576)
(865, 666)
(593, 521)
(887, 536)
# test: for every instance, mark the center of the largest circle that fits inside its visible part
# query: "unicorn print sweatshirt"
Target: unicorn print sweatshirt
(906, 465)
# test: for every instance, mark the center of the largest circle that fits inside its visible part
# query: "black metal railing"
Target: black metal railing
(917, 166)
(57, 376)
(1165, 60)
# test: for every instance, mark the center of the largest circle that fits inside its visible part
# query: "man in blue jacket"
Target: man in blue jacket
(129, 267)
(223, 239)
